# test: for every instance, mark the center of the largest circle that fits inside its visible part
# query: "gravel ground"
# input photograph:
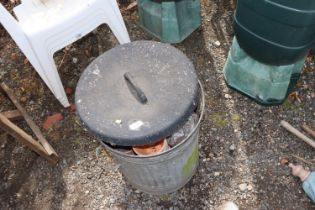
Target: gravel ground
(241, 142)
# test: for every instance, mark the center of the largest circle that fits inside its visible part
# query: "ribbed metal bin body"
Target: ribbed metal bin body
(166, 172)
(163, 173)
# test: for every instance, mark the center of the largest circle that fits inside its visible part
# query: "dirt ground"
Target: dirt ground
(88, 178)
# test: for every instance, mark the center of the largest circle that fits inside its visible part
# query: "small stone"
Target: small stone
(87, 192)
(217, 43)
(64, 161)
(216, 173)
(112, 200)
(228, 206)
(23, 99)
(284, 162)
(249, 187)
(232, 148)
(242, 187)
(98, 151)
(228, 96)
(75, 60)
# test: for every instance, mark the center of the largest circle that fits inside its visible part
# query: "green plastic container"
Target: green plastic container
(170, 21)
(266, 84)
(276, 32)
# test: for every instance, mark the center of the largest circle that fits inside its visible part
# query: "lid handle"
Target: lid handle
(135, 89)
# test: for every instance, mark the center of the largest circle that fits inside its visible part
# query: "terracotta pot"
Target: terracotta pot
(152, 149)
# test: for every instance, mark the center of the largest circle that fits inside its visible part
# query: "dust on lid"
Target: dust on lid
(137, 93)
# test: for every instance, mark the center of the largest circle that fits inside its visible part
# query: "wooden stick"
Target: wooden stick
(132, 5)
(301, 159)
(63, 57)
(294, 131)
(26, 139)
(13, 115)
(29, 121)
(308, 130)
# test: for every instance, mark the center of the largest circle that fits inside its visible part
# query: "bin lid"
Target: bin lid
(137, 93)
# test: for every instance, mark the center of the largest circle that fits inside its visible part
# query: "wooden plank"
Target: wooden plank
(26, 139)
(13, 115)
(29, 121)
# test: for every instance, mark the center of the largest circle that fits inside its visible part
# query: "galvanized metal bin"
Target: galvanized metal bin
(139, 94)
(166, 172)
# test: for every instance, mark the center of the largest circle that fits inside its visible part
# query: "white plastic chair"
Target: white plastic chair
(46, 26)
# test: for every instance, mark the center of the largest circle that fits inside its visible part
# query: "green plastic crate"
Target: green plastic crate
(266, 84)
(170, 21)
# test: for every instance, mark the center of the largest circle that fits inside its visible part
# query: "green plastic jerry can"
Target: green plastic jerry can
(266, 84)
(169, 20)
(276, 32)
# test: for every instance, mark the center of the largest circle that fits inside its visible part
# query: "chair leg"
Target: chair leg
(17, 34)
(48, 66)
(116, 22)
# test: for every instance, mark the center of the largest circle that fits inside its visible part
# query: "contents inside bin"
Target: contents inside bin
(152, 149)
(173, 140)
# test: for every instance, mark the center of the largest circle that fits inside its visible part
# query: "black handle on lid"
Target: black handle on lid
(135, 89)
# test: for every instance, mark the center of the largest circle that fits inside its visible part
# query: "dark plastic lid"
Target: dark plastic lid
(137, 93)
